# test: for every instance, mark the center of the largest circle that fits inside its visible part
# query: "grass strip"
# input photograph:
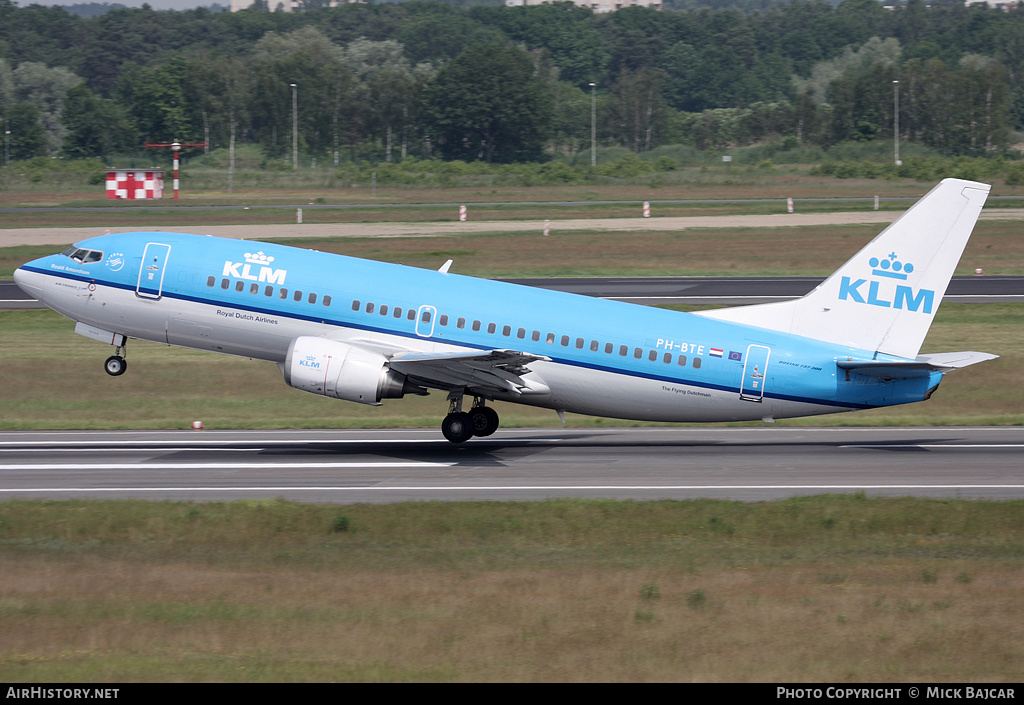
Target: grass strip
(168, 388)
(829, 588)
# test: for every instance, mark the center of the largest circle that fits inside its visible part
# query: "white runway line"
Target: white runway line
(217, 466)
(509, 488)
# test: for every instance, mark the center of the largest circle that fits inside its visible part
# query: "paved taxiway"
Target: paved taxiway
(346, 466)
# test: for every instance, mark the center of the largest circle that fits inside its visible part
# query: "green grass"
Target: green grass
(830, 589)
(996, 247)
(53, 379)
(554, 534)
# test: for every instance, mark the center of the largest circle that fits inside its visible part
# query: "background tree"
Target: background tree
(96, 127)
(489, 104)
(637, 110)
(28, 139)
(45, 88)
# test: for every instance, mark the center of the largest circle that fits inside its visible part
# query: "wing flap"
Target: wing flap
(479, 372)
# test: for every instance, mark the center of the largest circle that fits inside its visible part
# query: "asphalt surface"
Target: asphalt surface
(346, 466)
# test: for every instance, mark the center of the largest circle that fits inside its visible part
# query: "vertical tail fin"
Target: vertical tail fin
(884, 298)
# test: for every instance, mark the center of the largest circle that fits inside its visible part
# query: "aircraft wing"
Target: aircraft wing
(484, 372)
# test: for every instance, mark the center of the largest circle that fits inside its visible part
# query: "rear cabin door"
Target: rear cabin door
(755, 373)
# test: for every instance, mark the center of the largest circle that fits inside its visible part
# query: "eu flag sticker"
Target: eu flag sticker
(733, 355)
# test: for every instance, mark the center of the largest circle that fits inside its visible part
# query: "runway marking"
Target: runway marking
(897, 444)
(146, 449)
(202, 444)
(509, 488)
(218, 466)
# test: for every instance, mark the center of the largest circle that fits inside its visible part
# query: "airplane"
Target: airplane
(366, 331)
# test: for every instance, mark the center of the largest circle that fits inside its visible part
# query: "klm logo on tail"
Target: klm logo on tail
(884, 292)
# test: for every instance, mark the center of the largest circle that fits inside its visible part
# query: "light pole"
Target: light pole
(896, 121)
(7, 146)
(295, 125)
(593, 124)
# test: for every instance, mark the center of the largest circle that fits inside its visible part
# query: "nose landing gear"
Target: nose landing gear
(116, 364)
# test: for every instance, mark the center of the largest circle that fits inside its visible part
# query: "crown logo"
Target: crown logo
(258, 258)
(890, 267)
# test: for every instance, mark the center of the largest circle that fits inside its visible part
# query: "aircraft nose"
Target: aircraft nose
(24, 279)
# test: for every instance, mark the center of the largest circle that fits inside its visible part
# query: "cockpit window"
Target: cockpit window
(82, 256)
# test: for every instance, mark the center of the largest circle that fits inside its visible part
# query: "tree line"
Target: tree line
(508, 84)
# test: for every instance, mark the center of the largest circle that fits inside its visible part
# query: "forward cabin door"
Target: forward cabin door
(151, 271)
(755, 373)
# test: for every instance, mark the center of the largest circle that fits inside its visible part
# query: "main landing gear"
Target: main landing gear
(116, 364)
(459, 426)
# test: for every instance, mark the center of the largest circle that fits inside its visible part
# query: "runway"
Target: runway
(350, 466)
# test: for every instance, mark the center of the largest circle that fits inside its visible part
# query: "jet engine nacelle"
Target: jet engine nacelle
(333, 369)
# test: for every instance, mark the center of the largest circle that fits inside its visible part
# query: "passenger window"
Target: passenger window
(506, 331)
(608, 347)
(594, 345)
(550, 339)
(521, 333)
(224, 284)
(682, 361)
(461, 323)
(327, 300)
(491, 327)
(638, 353)
(384, 310)
(254, 288)
(239, 285)
(312, 298)
(398, 312)
(284, 294)
(623, 350)
(476, 325)
(443, 320)
(210, 281)
(269, 291)
(369, 307)
(355, 304)
(653, 355)
(565, 341)
(579, 343)
(412, 314)
(668, 358)
(696, 363)
(297, 296)
(536, 336)
(425, 318)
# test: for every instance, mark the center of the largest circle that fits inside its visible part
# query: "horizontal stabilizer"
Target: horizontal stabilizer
(956, 360)
(921, 367)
